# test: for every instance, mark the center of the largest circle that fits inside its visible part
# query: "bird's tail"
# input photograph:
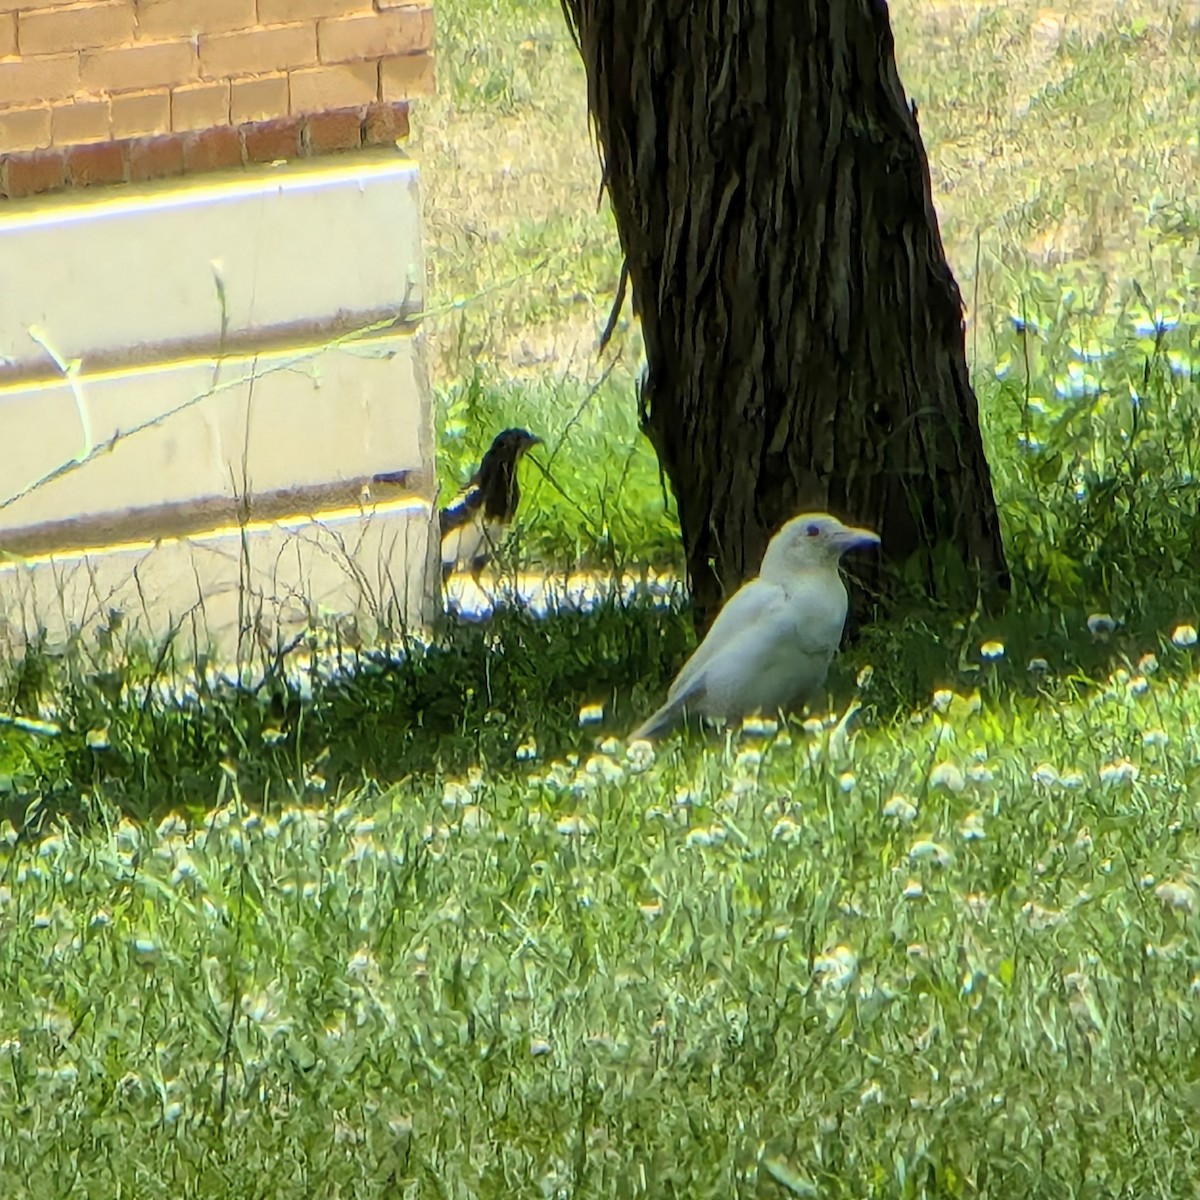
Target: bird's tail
(658, 724)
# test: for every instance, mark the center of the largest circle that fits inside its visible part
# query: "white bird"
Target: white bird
(771, 645)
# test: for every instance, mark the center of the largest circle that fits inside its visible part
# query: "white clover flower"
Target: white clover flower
(686, 797)
(835, 971)
(42, 920)
(1148, 664)
(1083, 839)
(651, 909)
(847, 782)
(1184, 635)
(1040, 917)
(991, 651)
(913, 890)
(1072, 781)
(1100, 625)
(600, 766)
(455, 795)
(871, 1094)
(942, 699)
(1120, 771)
(640, 755)
(971, 829)
(747, 760)
(573, 826)
(927, 850)
(100, 919)
(785, 830)
(363, 828)
(591, 714)
(814, 727)
(527, 751)
(473, 819)
(980, 775)
(949, 776)
(1155, 737)
(706, 835)
(900, 808)
(361, 963)
(759, 726)
(539, 1048)
(185, 871)
(171, 826)
(1177, 894)
(1139, 685)
(610, 746)
(1045, 775)
(1038, 666)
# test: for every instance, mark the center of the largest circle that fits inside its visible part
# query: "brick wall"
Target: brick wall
(110, 91)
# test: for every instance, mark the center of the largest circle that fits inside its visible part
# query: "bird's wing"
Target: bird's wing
(752, 605)
(462, 508)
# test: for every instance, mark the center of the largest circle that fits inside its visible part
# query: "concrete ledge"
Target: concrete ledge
(184, 446)
(307, 249)
(234, 592)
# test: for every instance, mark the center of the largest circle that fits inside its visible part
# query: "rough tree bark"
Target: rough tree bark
(804, 334)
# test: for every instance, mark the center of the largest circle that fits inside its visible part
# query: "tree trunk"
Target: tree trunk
(804, 334)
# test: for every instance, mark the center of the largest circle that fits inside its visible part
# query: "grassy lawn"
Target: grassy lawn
(420, 925)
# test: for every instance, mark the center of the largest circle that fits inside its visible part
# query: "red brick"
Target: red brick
(344, 85)
(270, 141)
(38, 80)
(102, 163)
(258, 51)
(170, 18)
(386, 123)
(212, 149)
(152, 64)
(30, 174)
(377, 35)
(341, 130)
(407, 76)
(77, 27)
(155, 157)
(258, 98)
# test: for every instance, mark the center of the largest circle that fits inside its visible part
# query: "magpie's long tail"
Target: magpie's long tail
(658, 724)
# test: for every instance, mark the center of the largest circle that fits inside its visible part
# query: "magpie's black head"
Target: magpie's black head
(510, 444)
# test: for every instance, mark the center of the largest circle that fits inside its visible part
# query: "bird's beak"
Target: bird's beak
(857, 539)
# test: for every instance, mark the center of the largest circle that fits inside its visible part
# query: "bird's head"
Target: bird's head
(812, 541)
(510, 444)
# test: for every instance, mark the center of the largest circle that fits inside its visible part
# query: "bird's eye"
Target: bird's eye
(814, 530)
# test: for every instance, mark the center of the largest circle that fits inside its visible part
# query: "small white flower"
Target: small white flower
(573, 826)
(455, 795)
(913, 889)
(942, 699)
(1184, 635)
(539, 1048)
(1155, 737)
(980, 775)
(1120, 771)
(172, 826)
(362, 962)
(759, 726)
(835, 970)
(591, 714)
(747, 760)
(992, 650)
(847, 782)
(1177, 894)
(527, 751)
(1045, 775)
(1072, 781)
(947, 775)
(927, 850)
(600, 766)
(1139, 685)
(706, 835)
(1038, 666)
(1148, 664)
(863, 679)
(686, 797)
(814, 727)
(971, 829)
(1100, 625)
(900, 808)
(640, 755)
(871, 1094)
(610, 746)
(785, 830)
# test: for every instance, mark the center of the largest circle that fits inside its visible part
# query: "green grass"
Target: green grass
(595, 975)
(385, 925)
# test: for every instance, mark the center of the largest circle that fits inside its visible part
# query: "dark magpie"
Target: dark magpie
(474, 523)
